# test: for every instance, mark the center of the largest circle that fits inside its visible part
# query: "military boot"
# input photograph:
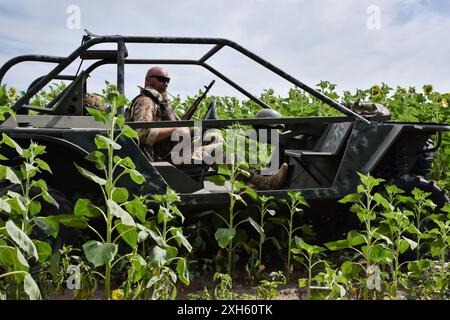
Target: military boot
(271, 182)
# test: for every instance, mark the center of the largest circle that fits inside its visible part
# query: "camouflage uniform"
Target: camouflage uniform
(157, 108)
(150, 105)
(95, 101)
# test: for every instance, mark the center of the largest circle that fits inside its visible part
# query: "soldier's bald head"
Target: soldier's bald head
(156, 71)
(151, 79)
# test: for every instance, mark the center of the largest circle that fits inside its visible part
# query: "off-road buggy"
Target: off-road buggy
(324, 153)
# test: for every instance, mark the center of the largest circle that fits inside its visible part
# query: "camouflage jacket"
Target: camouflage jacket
(150, 105)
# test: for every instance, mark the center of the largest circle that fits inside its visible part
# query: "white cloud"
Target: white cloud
(311, 40)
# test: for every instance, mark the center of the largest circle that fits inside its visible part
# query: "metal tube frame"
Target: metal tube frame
(218, 43)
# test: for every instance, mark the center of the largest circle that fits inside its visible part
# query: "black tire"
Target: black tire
(408, 182)
(438, 196)
(425, 159)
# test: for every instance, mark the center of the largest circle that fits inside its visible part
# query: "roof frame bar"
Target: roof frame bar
(218, 43)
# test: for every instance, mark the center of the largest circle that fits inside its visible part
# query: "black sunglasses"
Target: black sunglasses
(162, 79)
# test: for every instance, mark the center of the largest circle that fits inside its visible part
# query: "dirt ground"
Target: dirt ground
(243, 290)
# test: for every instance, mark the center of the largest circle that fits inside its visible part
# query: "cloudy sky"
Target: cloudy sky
(353, 43)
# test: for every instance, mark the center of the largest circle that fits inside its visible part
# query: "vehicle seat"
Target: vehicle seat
(321, 162)
(330, 143)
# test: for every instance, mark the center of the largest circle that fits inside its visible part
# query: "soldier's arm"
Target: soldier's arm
(144, 109)
(173, 117)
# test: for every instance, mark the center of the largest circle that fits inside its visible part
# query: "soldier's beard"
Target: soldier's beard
(165, 95)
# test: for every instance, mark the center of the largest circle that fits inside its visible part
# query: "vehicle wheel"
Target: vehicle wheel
(65, 235)
(408, 182)
(438, 196)
(425, 159)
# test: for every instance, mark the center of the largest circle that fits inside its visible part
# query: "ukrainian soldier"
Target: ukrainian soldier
(153, 105)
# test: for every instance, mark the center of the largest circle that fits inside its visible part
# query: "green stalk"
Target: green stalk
(13, 273)
(164, 229)
(369, 242)
(396, 266)
(443, 253)
(290, 241)
(261, 236)
(309, 274)
(27, 198)
(109, 187)
(108, 264)
(231, 225)
(419, 208)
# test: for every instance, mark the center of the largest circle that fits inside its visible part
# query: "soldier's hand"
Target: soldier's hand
(185, 131)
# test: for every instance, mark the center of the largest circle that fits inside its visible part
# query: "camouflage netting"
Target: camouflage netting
(368, 108)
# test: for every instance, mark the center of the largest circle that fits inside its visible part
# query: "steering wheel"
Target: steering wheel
(211, 111)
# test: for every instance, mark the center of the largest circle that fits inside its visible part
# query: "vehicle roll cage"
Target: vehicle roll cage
(119, 57)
